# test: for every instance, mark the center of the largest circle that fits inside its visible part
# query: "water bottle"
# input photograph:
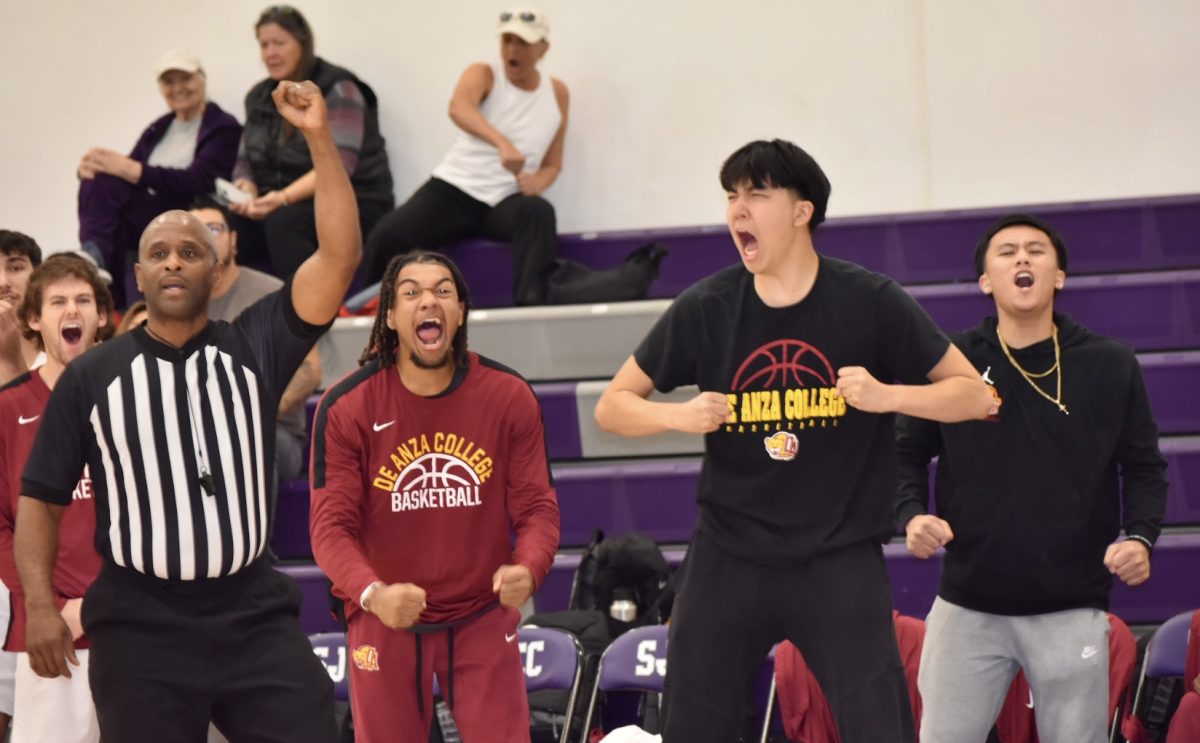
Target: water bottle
(624, 608)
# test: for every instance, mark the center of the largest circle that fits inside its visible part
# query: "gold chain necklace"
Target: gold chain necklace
(1057, 399)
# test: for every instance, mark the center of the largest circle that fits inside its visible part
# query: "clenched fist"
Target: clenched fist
(704, 413)
(924, 534)
(397, 605)
(513, 584)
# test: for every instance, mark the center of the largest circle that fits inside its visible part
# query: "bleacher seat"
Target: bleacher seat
(914, 248)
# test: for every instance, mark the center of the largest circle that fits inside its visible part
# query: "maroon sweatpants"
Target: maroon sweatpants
(489, 701)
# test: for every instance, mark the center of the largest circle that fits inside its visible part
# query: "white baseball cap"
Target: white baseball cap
(530, 24)
(179, 59)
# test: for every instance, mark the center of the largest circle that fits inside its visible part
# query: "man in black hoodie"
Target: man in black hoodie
(1030, 503)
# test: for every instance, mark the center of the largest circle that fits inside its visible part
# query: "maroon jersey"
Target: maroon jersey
(435, 491)
(21, 406)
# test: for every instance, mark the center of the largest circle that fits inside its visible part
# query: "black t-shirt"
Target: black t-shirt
(799, 472)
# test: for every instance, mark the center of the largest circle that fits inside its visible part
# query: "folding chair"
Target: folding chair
(552, 659)
(635, 661)
(1166, 656)
(330, 647)
(768, 672)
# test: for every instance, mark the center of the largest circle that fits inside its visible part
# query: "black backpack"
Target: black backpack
(629, 565)
(571, 282)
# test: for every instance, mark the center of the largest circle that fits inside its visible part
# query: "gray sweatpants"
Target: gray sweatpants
(970, 658)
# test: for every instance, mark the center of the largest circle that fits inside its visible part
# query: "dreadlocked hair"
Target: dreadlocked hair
(384, 343)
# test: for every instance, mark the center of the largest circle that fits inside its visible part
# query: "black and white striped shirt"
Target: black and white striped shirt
(151, 420)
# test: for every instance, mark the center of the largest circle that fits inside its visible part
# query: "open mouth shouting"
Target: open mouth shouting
(430, 334)
(1023, 279)
(72, 334)
(747, 244)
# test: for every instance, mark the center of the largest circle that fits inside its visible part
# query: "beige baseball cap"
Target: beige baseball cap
(530, 24)
(179, 59)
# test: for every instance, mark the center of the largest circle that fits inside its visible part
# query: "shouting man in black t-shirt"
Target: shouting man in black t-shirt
(175, 421)
(801, 360)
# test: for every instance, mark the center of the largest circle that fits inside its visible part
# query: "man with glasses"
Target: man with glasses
(237, 288)
(509, 150)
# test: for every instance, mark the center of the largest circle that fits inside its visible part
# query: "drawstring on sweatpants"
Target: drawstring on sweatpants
(427, 629)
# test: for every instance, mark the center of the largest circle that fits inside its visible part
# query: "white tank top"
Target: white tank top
(529, 118)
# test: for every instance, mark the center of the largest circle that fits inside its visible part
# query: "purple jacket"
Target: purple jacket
(216, 152)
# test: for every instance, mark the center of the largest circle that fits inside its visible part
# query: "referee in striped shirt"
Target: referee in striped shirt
(188, 621)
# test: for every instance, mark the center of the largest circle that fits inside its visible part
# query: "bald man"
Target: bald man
(175, 420)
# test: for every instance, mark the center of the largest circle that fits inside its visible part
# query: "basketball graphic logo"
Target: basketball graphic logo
(784, 362)
(436, 480)
(782, 446)
(436, 470)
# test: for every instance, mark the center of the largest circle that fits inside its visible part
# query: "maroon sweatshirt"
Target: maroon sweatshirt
(436, 491)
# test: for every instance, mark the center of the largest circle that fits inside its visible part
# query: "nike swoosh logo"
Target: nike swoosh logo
(23, 420)
(1088, 652)
(510, 638)
(1030, 705)
(380, 426)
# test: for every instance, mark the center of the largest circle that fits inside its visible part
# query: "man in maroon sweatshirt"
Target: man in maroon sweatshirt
(67, 310)
(433, 512)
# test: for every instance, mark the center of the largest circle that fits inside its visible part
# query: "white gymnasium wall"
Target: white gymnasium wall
(908, 104)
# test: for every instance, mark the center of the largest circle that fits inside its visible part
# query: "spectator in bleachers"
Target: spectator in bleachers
(512, 121)
(188, 621)
(67, 310)
(177, 158)
(1030, 505)
(135, 315)
(274, 165)
(19, 255)
(433, 513)
(799, 359)
(237, 288)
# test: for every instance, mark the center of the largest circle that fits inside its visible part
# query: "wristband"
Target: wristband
(1142, 540)
(365, 596)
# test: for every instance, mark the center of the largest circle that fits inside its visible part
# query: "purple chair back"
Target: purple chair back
(635, 661)
(330, 647)
(551, 658)
(1167, 653)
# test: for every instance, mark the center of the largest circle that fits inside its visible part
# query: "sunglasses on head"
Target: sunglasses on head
(525, 16)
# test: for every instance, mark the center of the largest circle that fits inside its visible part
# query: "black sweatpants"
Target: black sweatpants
(169, 656)
(836, 608)
(289, 234)
(439, 214)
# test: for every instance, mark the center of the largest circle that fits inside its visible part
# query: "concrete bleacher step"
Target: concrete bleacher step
(592, 341)
(914, 248)
(657, 497)
(1171, 589)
